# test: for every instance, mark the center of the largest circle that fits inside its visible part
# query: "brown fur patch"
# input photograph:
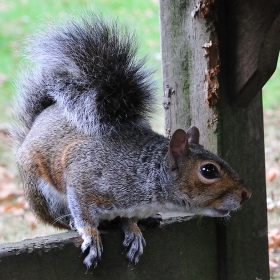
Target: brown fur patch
(134, 228)
(58, 170)
(101, 201)
(43, 169)
(91, 231)
(65, 152)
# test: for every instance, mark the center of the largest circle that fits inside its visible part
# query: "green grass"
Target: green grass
(19, 18)
(271, 91)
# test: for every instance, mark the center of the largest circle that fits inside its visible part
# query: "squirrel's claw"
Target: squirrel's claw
(134, 241)
(93, 256)
(92, 241)
(135, 247)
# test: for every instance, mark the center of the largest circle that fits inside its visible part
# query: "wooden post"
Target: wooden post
(243, 239)
(251, 35)
(186, 39)
(196, 94)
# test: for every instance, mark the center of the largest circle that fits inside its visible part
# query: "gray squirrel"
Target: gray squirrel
(84, 146)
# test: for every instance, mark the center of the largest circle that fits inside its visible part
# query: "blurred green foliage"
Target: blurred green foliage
(19, 18)
(271, 91)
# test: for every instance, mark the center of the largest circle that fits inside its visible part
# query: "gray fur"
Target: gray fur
(89, 68)
(85, 148)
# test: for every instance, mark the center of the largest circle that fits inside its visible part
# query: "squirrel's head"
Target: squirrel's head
(207, 184)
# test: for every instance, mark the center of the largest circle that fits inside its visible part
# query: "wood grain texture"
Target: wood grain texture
(184, 35)
(253, 43)
(242, 240)
(236, 134)
(171, 253)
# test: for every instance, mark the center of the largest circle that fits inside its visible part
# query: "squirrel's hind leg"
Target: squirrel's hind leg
(86, 224)
(49, 205)
(92, 241)
(134, 241)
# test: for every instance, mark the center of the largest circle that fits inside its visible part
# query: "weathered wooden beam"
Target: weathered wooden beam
(190, 66)
(243, 244)
(182, 249)
(194, 42)
(253, 43)
(242, 240)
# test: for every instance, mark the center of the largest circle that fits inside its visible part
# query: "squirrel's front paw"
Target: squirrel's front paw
(92, 241)
(134, 241)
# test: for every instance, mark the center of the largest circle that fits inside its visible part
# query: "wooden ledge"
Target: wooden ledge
(179, 250)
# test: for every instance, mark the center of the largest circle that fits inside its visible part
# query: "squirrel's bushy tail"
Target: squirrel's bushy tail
(89, 69)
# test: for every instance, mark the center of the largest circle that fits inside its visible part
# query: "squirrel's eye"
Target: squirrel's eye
(209, 171)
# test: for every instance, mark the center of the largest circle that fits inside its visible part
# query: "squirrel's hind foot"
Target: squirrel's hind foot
(91, 241)
(134, 241)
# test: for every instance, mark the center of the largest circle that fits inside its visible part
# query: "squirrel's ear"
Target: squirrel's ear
(193, 135)
(178, 145)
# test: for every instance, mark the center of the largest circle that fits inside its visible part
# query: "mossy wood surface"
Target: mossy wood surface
(182, 249)
(196, 66)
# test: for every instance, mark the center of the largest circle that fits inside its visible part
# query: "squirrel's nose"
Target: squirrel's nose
(245, 195)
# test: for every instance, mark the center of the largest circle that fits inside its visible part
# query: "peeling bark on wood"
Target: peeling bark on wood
(186, 68)
(235, 134)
